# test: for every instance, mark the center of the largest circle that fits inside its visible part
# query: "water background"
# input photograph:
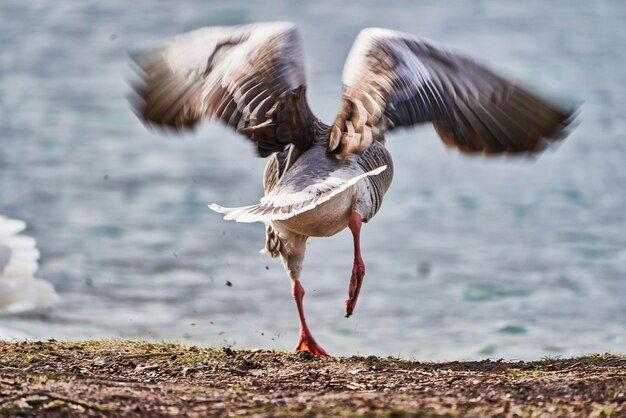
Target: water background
(468, 258)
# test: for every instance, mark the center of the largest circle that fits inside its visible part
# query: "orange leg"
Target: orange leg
(306, 342)
(358, 269)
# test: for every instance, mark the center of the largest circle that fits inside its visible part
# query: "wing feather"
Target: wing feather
(401, 80)
(250, 76)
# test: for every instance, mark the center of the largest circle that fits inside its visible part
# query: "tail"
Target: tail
(273, 243)
(280, 205)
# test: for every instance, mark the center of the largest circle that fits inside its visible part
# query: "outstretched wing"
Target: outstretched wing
(392, 79)
(250, 77)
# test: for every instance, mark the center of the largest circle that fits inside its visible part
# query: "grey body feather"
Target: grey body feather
(314, 166)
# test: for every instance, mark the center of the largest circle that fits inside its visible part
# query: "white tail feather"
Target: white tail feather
(278, 206)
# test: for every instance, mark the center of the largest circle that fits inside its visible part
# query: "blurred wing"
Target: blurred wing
(393, 79)
(250, 76)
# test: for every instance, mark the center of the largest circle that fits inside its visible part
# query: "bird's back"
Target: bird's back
(316, 166)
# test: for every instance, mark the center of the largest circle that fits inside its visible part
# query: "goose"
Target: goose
(19, 289)
(319, 178)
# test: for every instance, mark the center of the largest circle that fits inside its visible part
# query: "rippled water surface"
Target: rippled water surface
(468, 258)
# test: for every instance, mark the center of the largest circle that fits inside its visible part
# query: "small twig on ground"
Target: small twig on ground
(7, 382)
(15, 369)
(568, 369)
(51, 397)
(147, 355)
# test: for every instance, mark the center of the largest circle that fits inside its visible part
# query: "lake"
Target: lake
(468, 257)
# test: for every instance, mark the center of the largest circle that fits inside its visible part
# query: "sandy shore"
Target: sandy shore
(114, 378)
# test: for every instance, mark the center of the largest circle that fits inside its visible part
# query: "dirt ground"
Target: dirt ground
(122, 378)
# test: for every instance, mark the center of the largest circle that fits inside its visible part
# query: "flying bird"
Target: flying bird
(319, 178)
(19, 289)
